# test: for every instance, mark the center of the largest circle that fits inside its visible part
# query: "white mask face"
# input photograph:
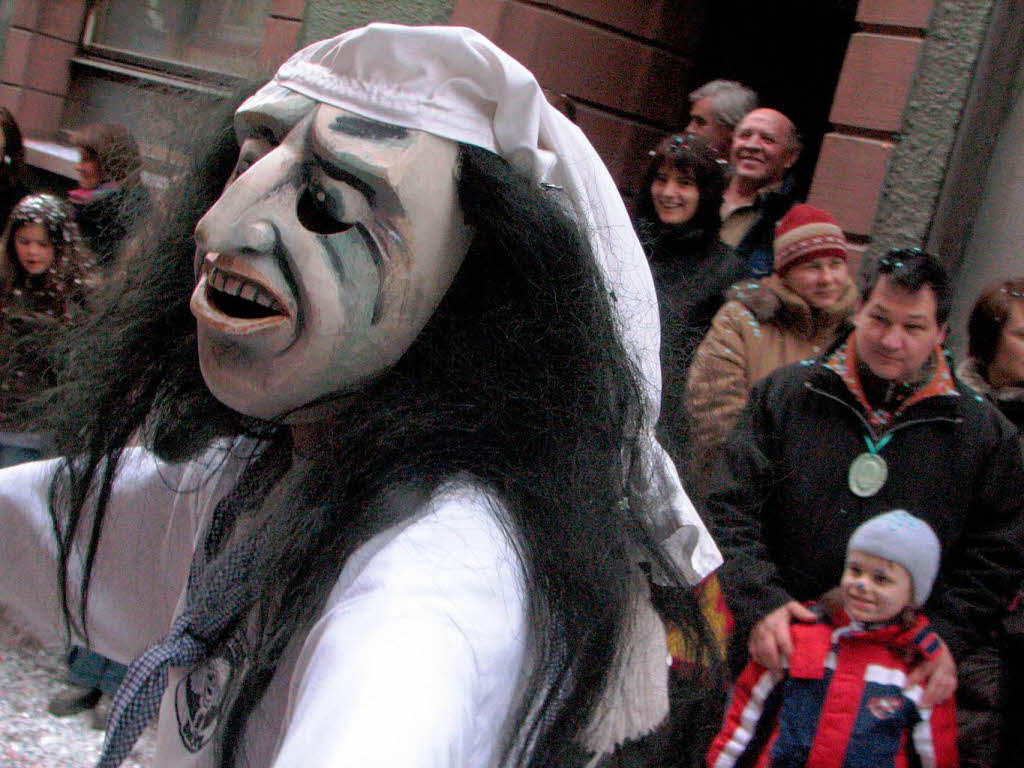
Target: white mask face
(325, 256)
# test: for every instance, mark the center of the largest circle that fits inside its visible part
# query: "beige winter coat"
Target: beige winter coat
(762, 326)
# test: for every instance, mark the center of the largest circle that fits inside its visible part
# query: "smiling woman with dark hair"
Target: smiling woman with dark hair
(677, 222)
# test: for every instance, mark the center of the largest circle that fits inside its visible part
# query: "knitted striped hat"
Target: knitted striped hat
(804, 233)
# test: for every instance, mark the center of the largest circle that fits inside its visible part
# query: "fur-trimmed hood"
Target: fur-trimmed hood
(771, 301)
(1009, 400)
(969, 372)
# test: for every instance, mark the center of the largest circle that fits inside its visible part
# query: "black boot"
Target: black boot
(72, 700)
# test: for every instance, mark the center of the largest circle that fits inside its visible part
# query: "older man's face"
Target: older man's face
(705, 125)
(325, 256)
(764, 147)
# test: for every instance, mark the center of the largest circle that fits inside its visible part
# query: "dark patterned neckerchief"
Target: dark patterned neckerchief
(220, 591)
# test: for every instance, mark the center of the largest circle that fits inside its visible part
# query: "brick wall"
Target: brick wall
(867, 112)
(621, 65)
(35, 73)
(281, 31)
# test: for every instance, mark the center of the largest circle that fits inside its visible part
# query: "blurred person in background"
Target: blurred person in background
(111, 199)
(715, 109)
(995, 363)
(44, 274)
(45, 280)
(12, 164)
(994, 368)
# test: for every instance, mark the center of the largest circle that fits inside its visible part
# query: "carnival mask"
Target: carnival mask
(325, 256)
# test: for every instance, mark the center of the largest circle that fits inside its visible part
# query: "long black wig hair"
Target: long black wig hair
(519, 380)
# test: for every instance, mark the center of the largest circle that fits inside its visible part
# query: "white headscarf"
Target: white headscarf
(454, 83)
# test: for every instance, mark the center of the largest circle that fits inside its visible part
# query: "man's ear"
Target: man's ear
(794, 155)
(942, 334)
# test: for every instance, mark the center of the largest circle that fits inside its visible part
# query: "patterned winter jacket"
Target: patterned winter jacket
(763, 326)
(841, 704)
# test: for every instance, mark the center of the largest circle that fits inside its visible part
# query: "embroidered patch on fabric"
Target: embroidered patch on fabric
(884, 707)
(202, 694)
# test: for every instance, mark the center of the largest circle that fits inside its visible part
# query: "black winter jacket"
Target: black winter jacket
(691, 271)
(757, 248)
(782, 511)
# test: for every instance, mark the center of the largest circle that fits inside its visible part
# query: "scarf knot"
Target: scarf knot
(138, 699)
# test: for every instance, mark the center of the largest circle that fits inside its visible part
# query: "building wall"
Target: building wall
(324, 18)
(35, 73)
(932, 118)
(979, 153)
(996, 245)
(901, 112)
(617, 67)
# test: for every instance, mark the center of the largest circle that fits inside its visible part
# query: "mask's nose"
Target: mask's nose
(243, 237)
(241, 221)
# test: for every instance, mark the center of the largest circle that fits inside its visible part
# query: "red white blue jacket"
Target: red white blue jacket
(841, 704)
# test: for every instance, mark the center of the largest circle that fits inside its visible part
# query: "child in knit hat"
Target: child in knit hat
(842, 699)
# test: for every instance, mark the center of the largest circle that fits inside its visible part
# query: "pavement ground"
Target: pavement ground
(30, 737)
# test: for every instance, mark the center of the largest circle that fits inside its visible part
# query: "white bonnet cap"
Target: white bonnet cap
(455, 83)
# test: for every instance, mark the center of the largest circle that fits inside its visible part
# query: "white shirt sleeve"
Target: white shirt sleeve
(141, 564)
(417, 657)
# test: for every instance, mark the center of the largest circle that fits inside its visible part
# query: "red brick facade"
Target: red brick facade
(867, 113)
(35, 73)
(622, 63)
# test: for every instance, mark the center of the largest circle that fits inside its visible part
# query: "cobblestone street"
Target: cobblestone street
(30, 737)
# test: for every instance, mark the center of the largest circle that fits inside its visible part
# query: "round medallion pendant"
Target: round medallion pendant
(868, 474)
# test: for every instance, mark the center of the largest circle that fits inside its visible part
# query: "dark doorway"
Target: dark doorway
(789, 51)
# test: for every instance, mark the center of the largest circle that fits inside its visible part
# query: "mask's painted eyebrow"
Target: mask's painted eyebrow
(361, 176)
(264, 132)
(259, 125)
(338, 173)
(362, 128)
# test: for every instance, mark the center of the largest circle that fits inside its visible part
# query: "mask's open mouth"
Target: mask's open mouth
(235, 296)
(238, 300)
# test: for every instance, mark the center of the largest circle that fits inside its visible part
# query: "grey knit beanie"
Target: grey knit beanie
(902, 538)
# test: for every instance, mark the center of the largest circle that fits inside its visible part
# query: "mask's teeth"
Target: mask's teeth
(234, 285)
(265, 299)
(249, 291)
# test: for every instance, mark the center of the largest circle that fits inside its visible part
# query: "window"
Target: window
(190, 37)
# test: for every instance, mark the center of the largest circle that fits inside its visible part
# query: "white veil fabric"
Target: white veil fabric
(454, 83)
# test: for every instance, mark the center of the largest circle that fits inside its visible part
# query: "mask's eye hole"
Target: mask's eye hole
(313, 215)
(253, 149)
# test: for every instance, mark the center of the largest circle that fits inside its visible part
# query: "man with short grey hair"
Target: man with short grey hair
(715, 109)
